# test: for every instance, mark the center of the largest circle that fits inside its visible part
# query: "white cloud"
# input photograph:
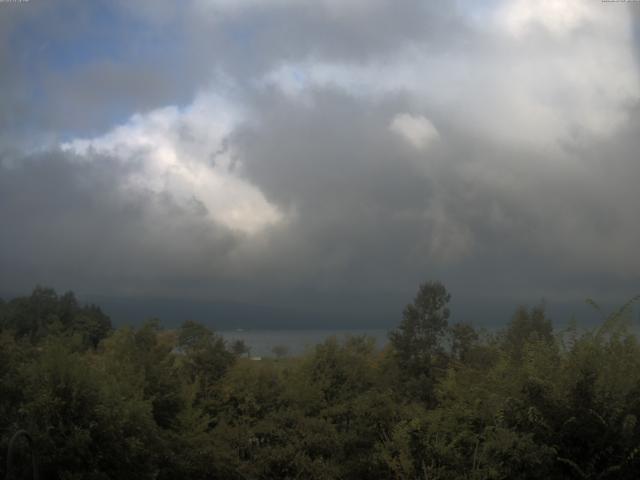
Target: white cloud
(525, 90)
(559, 17)
(183, 153)
(416, 129)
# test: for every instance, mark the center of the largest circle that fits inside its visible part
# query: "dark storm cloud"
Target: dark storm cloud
(365, 199)
(250, 40)
(75, 224)
(495, 156)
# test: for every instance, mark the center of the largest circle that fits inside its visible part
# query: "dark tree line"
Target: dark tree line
(441, 401)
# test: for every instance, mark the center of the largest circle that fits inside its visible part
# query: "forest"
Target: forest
(441, 400)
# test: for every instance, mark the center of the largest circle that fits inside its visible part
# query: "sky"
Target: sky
(321, 157)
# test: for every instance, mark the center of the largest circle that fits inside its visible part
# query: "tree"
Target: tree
(205, 356)
(417, 342)
(92, 324)
(527, 326)
(44, 313)
(30, 317)
(193, 334)
(463, 339)
(86, 422)
(239, 348)
(280, 351)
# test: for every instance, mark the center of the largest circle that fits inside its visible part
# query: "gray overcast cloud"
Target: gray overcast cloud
(324, 156)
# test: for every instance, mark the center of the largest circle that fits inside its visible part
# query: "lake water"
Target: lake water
(297, 342)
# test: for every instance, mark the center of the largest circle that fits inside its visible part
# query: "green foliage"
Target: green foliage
(438, 402)
(44, 313)
(417, 342)
(82, 417)
(526, 327)
(239, 348)
(280, 351)
(464, 340)
(204, 358)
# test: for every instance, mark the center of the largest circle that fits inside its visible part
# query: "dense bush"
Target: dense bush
(440, 401)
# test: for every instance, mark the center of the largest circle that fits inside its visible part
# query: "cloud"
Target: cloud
(76, 223)
(416, 129)
(537, 91)
(326, 155)
(559, 17)
(184, 153)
